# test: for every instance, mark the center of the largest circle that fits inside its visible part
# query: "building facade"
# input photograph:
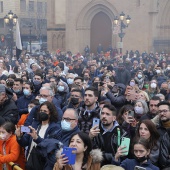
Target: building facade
(73, 24)
(31, 15)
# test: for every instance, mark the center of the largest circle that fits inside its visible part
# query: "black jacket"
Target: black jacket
(164, 158)
(9, 110)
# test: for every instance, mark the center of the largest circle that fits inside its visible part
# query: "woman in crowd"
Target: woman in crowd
(86, 158)
(141, 150)
(143, 96)
(44, 127)
(147, 130)
(10, 150)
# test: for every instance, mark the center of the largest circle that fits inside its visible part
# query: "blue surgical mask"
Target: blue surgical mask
(139, 76)
(42, 100)
(60, 88)
(36, 82)
(70, 81)
(26, 92)
(65, 125)
(16, 91)
(138, 110)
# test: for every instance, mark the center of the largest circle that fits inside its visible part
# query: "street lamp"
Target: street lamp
(122, 26)
(30, 29)
(10, 20)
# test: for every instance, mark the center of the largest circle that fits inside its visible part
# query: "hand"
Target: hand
(120, 152)
(18, 131)
(129, 119)
(14, 97)
(62, 161)
(33, 133)
(94, 131)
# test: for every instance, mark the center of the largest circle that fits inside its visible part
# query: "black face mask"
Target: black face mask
(86, 78)
(163, 91)
(141, 159)
(43, 116)
(74, 100)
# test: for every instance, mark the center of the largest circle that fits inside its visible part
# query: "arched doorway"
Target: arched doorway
(101, 31)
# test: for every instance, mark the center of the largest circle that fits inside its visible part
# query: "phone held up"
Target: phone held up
(96, 122)
(125, 143)
(25, 129)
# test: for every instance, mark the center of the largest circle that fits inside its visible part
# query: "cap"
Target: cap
(2, 88)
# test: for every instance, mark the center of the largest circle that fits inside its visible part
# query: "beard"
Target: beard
(106, 123)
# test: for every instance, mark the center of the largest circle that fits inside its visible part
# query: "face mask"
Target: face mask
(140, 159)
(43, 116)
(60, 88)
(74, 100)
(3, 136)
(163, 91)
(132, 83)
(146, 86)
(153, 85)
(70, 81)
(138, 110)
(42, 100)
(86, 78)
(65, 125)
(36, 82)
(139, 76)
(16, 91)
(158, 71)
(29, 110)
(26, 92)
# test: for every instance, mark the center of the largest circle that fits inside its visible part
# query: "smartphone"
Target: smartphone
(139, 168)
(131, 113)
(25, 129)
(96, 122)
(71, 154)
(125, 142)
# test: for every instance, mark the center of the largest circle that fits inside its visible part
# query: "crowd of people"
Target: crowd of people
(51, 102)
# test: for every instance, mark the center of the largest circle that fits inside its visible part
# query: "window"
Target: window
(31, 6)
(39, 7)
(23, 5)
(1, 23)
(1, 6)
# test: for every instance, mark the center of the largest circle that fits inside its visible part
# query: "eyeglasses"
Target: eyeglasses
(163, 111)
(67, 119)
(43, 96)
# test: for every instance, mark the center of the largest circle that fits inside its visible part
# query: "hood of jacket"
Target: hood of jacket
(122, 88)
(96, 155)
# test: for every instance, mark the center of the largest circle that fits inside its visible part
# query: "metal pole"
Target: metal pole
(121, 39)
(30, 38)
(12, 39)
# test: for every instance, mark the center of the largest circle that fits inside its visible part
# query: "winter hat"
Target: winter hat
(111, 167)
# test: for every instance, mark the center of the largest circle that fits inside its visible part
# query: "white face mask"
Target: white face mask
(29, 110)
(138, 110)
(153, 85)
(158, 71)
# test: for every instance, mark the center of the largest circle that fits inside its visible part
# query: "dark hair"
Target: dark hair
(25, 76)
(164, 103)
(35, 101)
(122, 110)
(95, 91)
(19, 79)
(12, 76)
(78, 77)
(9, 127)
(39, 74)
(52, 109)
(154, 135)
(95, 78)
(30, 84)
(142, 142)
(25, 72)
(15, 69)
(111, 108)
(155, 98)
(78, 90)
(87, 143)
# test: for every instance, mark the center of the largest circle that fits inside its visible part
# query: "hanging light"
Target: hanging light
(15, 19)
(6, 19)
(128, 19)
(116, 19)
(10, 14)
(122, 15)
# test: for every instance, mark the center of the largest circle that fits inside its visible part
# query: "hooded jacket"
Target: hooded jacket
(93, 162)
(9, 110)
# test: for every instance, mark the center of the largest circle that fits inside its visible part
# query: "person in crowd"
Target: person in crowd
(17, 71)
(147, 130)
(89, 110)
(142, 95)
(8, 108)
(43, 127)
(17, 89)
(141, 151)
(140, 78)
(140, 109)
(164, 159)
(86, 158)
(153, 88)
(10, 150)
(79, 82)
(23, 102)
(103, 136)
(3, 70)
(10, 80)
(153, 108)
(75, 101)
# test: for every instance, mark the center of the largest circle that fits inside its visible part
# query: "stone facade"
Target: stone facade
(69, 23)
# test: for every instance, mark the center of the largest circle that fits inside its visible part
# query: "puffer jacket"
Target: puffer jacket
(85, 120)
(164, 159)
(93, 162)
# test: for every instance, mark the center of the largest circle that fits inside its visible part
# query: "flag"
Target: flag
(18, 41)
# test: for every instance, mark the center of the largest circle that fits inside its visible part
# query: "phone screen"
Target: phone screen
(25, 129)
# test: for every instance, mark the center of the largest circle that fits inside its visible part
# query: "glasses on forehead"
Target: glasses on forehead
(67, 119)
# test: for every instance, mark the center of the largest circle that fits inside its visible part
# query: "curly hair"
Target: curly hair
(52, 109)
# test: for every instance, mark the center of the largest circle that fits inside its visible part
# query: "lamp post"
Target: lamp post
(122, 26)
(10, 20)
(30, 27)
